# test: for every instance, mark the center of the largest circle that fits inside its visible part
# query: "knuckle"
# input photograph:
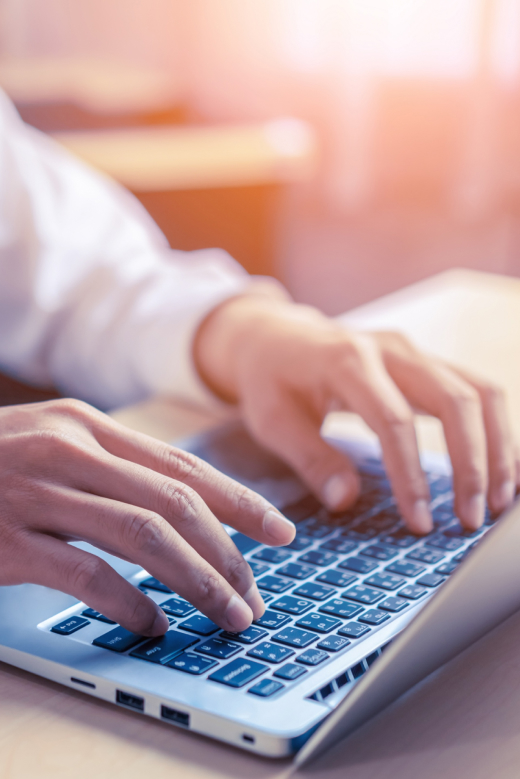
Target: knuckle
(183, 465)
(238, 572)
(71, 406)
(145, 532)
(85, 576)
(181, 501)
(465, 399)
(208, 587)
(492, 394)
(398, 421)
(141, 615)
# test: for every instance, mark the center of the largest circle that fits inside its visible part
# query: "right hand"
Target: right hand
(70, 473)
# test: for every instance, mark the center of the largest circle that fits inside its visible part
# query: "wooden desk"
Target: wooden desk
(464, 721)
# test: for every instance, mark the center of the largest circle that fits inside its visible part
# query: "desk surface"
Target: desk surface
(462, 721)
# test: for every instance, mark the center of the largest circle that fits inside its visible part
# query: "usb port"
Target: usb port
(173, 715)
(132, 701)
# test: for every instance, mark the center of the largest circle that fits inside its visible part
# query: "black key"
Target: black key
(374, 617)
(445, 542)
(291, 605)
(270, 652)
(333, 643)
(363, 594)
(402, 539)
(177, 608)
(154, 584)
(358, 564)
(299, 543)
(118, 640)
(295, 637)
(200, 625)
(353, 630)
(393, 604)
(315, 557)
(70, 625)
(192, 664)
(386, 581)
(412, 591)
(340, 608)
(272, 555)
(406, 568)
(339, 545)
(243, 543)
(312, 657)
(424, 555)
(248, 636)
(431, 580)
(336, 578)
(318, 622)
(218, 647)
(272, 620)
(314, 591)
(274, 584)
(290, 671)
(97, 615)
(163, 649)
(379, 552)
(266, 687)
(445, 568)
(296, 571)
(257, 568)
(238, 672)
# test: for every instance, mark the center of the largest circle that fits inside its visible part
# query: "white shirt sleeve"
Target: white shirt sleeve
(92, 299)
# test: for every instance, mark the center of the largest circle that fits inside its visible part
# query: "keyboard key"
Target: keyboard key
(295, 637)
(412, 591)
(363, 594)
(406, 568)
(200, 625)
(340, 608)
(374, 617)
(314, 591)
(445, 542)
(431, 580)
(272, 620)
(402, 539)
(248, 636)
(386, 581)
(358, 564)
(424, 555)
(97, 615)
(163, 649)
(238, 672)
(272, 555)
(318, 622)
(257, 568)
(290, 671)
(393, 604)
(316, 557)
(154, 584)
(299, 543)
(266, 597)
(296, 571)
(70, 625)
(333, 643)
(312, 657)
(445, 569)
(177, 608)
(353, 630)
(218, 647)
(456, 530)
(291, 605)
(192, 664)
(118, 640)
(274, 584)
(316, 528)
(379, 552)
(336, 578)
(266, 687)
(270, 652)
(339, 545)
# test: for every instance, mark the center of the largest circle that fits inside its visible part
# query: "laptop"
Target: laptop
(358, 610)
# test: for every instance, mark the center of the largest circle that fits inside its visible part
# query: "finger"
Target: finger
(52, 563)
(293, 435)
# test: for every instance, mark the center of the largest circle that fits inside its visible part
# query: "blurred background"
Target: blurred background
(348, 147)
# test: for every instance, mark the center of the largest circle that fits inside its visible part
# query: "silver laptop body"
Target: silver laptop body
(272, 695)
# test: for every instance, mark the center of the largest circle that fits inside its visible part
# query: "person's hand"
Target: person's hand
(287, 366)
(68, 472)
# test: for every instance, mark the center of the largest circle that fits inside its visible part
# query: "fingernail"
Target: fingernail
(160, 623)
(503, 496)
(278, 528)
(338, 490)
(238, 614)
(422, 518)
(474, 511)
(255, 601)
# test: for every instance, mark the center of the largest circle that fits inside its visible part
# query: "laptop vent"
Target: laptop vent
(347, 677)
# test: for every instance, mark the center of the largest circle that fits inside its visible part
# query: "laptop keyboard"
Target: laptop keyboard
(341, 578)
